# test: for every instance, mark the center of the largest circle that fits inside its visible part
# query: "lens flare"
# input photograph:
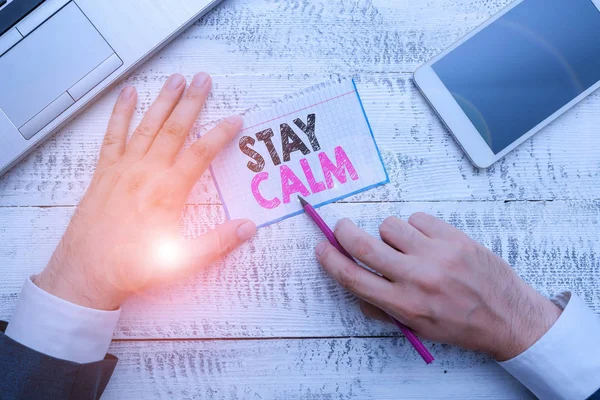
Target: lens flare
(169, 252)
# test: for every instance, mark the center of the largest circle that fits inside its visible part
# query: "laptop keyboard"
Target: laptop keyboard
(58, 57)
(15, 11)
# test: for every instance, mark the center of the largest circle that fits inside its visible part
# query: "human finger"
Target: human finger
(176, 128)
(212, 246)
(195, 160)
(351, 276)
(371, 251)
(402, 236)
(157, 114)
(113, 145)
(435, 228)
(370, 311)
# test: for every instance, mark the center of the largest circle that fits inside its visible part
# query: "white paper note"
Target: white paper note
(317, 144)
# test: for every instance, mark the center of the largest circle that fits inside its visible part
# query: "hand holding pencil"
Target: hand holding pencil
(435, 279)
(410, 336)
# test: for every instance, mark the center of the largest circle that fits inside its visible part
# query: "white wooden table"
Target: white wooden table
(267, 323)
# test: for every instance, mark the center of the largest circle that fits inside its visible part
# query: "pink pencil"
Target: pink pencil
(410, 335)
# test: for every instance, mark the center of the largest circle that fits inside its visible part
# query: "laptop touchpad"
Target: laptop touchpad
(39, 70)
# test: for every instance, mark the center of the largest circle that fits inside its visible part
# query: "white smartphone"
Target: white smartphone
(515, 74)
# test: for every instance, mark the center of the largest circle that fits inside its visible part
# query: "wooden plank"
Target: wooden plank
(257, 50)
(273, 287)
(260, 50)
(423, 161)
(254, 37)
(364, 368)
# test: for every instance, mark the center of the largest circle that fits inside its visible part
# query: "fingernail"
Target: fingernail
(127, 92)
(246, 231)
(175, 82)
(200, 79)
(234, 119)
(343, 221)
(320, 248)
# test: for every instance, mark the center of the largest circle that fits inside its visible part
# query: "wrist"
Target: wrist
(73, 289)
(528, 324)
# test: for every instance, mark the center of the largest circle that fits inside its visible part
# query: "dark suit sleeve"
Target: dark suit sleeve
(28, 374)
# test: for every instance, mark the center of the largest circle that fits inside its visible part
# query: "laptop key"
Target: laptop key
(91, 80)
(9, 39)
(40, 15)
(6, 128)
(16, 11)
(49, 61)
(47, 115)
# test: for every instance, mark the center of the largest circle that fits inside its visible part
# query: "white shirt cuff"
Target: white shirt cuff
(565, 362)
(61, 329)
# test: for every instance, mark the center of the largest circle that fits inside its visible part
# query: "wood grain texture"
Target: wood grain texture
(273, 286)
(260, 50)
(538, 208)
(310, 369)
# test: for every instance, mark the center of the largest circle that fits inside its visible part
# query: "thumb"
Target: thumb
(212, 246)
(373, 312)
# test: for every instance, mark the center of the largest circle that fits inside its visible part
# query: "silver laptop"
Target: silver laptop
(57, 55)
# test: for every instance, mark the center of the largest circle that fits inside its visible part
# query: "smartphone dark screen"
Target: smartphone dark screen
(524, 67)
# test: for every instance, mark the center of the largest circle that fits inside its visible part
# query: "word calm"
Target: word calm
(291, 183)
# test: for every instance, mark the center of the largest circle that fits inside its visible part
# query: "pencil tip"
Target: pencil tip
(302, 201)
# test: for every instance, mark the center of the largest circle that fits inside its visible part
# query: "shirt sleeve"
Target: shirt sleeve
(61, 329)
(565, 362)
